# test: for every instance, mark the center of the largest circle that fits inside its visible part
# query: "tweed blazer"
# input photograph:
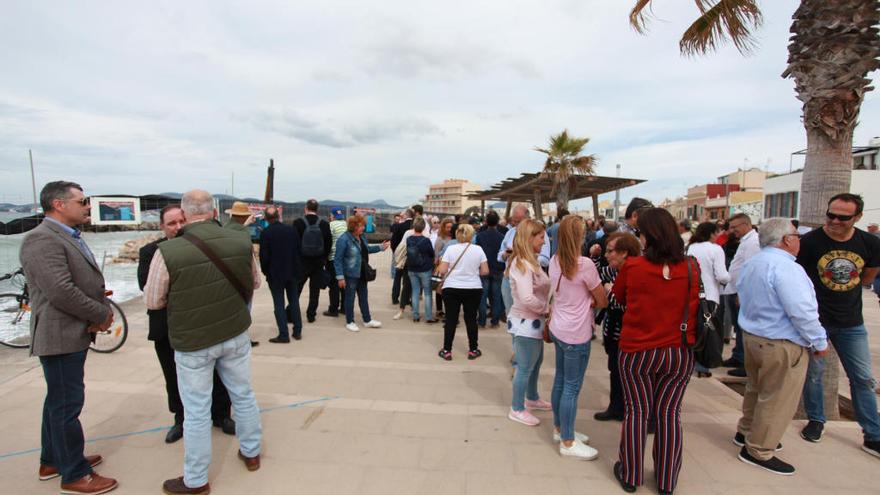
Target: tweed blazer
(66, 289)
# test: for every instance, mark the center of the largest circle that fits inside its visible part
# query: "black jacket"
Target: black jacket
(158, 318)
(300, 225)
(397, 231)
(279, 254)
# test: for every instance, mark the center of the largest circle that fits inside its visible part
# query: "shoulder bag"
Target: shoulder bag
(708, 344)
(547, 337)
(244, 292)
(442, 281)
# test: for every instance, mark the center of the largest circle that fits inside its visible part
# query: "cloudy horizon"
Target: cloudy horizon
(361, 101)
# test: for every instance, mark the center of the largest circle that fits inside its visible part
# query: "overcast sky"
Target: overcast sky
(370, 100)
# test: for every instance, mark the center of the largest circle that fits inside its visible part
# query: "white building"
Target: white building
(782, 192)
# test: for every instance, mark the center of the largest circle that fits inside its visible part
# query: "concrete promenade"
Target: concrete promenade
(377, 412)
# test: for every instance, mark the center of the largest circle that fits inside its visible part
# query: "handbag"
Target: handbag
(439, 287)
(369, 273)
(546, 334)
(708, 344)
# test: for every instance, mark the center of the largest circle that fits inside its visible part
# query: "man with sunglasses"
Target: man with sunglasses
(69, 306)
(839, 258)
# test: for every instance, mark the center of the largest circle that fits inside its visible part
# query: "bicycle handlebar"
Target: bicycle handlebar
(20, 271)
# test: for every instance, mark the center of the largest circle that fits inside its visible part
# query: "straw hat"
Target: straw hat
(239, 209)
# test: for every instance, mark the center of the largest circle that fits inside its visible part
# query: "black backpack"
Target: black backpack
(313, 240)
(414, 257)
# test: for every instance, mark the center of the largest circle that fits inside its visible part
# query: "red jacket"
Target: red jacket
(655, 306)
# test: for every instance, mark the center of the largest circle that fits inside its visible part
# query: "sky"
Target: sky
(376, 100)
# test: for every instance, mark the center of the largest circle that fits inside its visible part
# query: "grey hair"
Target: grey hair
(56, 190)
(524, 209)
(772, 230)
(197, 203)
(419, 224)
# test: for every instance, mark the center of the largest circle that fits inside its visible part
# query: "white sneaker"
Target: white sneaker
(373, 324)
(398, 315)
(351, 327)
(580, 437)
(578, 450)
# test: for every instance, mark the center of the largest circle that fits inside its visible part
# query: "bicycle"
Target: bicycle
(15, 318)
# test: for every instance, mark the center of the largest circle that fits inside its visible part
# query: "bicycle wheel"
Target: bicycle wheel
(115, 336)
(15, 321)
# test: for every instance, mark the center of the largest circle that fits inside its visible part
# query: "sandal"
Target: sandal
(444, 354)
(474, 354)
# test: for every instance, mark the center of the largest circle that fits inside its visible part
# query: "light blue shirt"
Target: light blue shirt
(77, 236)
(552, 232)
(507, 242)
(777, 300)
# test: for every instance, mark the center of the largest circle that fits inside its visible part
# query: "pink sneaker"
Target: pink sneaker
(539, 405)
(524, 417)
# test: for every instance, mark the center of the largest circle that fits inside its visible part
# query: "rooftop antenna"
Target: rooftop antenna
(33, 180)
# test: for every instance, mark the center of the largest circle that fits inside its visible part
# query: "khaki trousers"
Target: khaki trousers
(776, 370)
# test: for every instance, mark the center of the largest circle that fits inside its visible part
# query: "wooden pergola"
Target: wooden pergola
(537, 188)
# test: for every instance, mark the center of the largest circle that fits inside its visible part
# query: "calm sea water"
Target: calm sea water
(121, 278)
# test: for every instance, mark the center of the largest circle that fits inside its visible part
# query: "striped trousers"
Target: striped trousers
(653, 380)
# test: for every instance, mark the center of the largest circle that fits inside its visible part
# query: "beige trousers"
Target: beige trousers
(776, 370)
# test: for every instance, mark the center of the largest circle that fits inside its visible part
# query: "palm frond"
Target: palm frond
(638, 19)
(722, 20)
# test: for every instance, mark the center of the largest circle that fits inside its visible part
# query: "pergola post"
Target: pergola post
(482, 208)
(536, 202)
(507, 211)
(595, 205)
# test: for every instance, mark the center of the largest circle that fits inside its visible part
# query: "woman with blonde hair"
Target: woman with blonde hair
(461, 267)
(577, 290)
(530, 288)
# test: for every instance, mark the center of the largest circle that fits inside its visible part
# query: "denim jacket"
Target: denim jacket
(347, 261)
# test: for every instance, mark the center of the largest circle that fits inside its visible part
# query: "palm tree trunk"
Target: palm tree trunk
(562, 190)
(827, 171)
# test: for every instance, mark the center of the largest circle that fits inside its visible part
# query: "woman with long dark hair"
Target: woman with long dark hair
(713, 272)
(655, 359)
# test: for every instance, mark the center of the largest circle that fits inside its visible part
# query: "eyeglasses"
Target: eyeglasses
(842, 218)
(84, 201)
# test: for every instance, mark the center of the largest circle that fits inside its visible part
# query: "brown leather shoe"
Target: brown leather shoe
(48, 471)
(175, 485)
(251, 463)
(90, 484)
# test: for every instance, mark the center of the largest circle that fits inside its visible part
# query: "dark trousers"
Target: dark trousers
(290, 313)
(653, 380)
(454, 299)
(611, 349)
(739, 350)
(438, 303)
(395, 286)
(313, 271)
(491, 297)
(62, 438)
(336, 305)
(405, 288)
(220, 403)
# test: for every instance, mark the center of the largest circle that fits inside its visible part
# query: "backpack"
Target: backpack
(413, 255)
(313, 240)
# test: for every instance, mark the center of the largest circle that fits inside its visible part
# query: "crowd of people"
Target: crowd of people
(650, 285)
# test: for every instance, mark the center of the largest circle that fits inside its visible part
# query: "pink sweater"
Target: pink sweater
(531, 293)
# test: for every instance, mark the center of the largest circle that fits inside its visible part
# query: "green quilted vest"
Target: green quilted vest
(203, 307)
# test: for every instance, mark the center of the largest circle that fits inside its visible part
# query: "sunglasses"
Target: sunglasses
(842, 218)
(85, 201)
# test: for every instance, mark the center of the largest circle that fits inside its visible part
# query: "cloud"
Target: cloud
(335, 134)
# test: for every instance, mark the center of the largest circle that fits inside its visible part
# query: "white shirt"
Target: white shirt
(466, 274)
(748, 247)
(712, 269)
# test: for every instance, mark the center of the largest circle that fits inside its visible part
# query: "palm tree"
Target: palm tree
(835, 45)
(564, 160)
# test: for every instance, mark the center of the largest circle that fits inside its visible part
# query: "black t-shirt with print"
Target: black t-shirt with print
(835, 269)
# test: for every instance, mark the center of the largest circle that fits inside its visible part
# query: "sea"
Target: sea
(121, 278)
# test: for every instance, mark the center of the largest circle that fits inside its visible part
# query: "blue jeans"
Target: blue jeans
(529, 356)
(62, 437)
(851, 345)
(356, 286)
(195, 378)
(421, 282)
(292, 312)
(739, 352)
(491, 288)
(571, 364)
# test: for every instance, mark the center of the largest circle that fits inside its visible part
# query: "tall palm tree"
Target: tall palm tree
(835, 45)
(564, 160)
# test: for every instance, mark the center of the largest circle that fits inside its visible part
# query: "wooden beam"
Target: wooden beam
(536, 202)
(595, 206)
